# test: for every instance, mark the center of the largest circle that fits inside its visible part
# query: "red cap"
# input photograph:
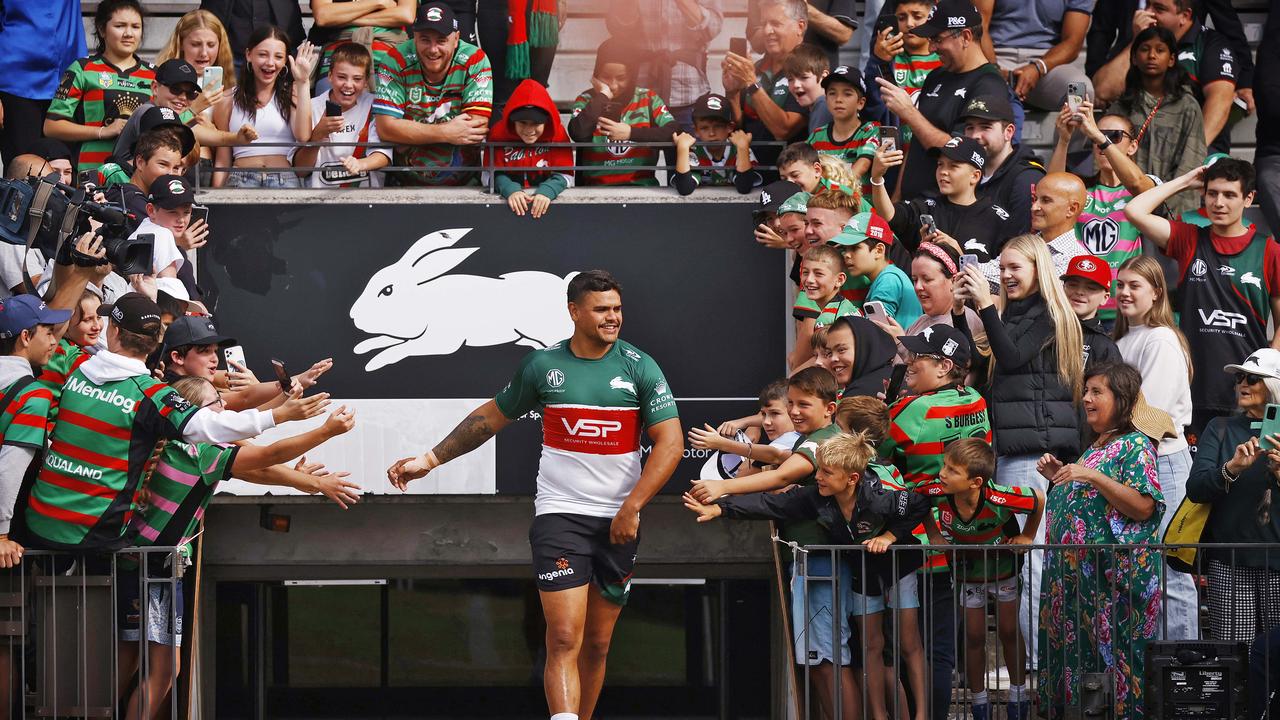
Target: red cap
(1092, 268)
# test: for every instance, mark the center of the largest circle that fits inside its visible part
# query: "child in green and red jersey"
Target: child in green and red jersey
(846, 136)
(612, 115)
(972, 510)
(902, 56)
(821, 277)
(703, 161)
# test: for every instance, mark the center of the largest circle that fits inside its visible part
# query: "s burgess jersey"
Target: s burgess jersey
(592, 414)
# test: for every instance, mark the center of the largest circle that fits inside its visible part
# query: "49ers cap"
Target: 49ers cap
(134, 312)
(1088, 267)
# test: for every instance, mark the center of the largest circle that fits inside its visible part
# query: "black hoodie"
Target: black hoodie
(873, 354)
(1012, 186)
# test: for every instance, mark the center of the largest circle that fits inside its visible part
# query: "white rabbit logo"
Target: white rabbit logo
(413, 308)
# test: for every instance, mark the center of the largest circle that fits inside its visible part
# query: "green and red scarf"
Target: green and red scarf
(534, 23)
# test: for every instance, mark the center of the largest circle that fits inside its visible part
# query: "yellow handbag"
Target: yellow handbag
(1187, 527)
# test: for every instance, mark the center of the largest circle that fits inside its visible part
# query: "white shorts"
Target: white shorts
(974, 595)
(902, 595)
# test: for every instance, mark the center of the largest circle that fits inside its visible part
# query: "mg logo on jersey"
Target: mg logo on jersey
(1222, 319)
(1100, 236)
(588, 428)
(555, 378)
(1199, 268)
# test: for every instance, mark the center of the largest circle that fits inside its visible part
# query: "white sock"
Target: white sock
(565, 716)
(1017, 693)
(980, 698)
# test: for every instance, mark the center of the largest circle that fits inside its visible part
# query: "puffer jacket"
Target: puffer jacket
(1032, 411)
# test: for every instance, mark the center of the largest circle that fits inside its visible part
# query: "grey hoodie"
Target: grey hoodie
(14, 459)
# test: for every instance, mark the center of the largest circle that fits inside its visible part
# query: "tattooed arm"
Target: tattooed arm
(483, 423)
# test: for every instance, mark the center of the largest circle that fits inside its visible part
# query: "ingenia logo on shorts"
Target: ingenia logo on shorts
(562, 570)
(126, 405)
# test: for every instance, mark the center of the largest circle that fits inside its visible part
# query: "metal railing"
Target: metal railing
(1093, 644)
(487, 167)
(67, 619)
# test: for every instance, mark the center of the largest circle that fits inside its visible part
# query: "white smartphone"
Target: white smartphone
(211, 79)
(234, 354)
(967, 260)
(1075, 96)
(874, 307)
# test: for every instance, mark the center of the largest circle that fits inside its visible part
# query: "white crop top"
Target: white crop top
(271, 127)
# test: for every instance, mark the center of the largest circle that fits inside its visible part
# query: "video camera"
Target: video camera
(45, 214)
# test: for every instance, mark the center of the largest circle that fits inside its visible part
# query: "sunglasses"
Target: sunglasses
(1115, 136)
(190, 93)
(1248, 378)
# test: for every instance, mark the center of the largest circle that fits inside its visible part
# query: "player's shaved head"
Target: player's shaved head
(1060, 198)
(26, 165)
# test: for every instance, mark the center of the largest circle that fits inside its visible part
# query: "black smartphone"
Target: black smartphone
(895, 383)
(332, 109)
(199, 212)
(613, 111)
(738, 46)
(889, 136)
(282, 375)
(888, 22)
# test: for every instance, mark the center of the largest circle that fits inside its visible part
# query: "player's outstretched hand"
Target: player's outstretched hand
(706, 512)
(407, 469)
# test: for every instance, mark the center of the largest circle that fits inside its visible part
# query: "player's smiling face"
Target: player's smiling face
(597, 316)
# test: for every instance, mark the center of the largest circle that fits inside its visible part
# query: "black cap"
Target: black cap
(714, 106)
(176, 72)
(848, 76)
(50, 149)
(774, 194)
(989, 107)
(530, 113)
(436, 16)
(171, 191)
(949, 15)
(156, 117)
(940, 340)
(191, 330)
(134, 312)
(962, 149)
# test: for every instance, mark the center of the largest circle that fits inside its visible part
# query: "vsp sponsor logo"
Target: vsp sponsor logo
(588, 428)
(1221, 319)
(126, 405)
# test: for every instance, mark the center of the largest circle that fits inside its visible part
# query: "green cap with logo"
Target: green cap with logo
(798, 203)
(1215, 158)
(861, 227)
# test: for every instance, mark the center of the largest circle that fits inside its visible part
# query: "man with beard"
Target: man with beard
(435, 96)
(596, 393)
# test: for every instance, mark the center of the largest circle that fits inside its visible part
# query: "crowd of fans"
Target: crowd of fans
(1081, 342)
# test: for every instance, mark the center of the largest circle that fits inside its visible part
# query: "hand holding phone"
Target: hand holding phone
(1075, 96)
(927, 225)
(738, 46)
(211, 79)
(332, 109)
(874, 308)
(894, 386)
(967, 260)
(282, 376)
(889, 136)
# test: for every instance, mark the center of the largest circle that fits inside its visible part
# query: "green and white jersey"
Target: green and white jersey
(592, 414)
(85, 495)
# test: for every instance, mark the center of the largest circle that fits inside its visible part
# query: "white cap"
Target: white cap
(1264, 362)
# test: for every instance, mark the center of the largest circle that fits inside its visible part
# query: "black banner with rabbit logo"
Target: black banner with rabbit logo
(426, 309)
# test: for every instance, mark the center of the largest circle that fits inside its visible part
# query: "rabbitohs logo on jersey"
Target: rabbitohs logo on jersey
(1100, 235)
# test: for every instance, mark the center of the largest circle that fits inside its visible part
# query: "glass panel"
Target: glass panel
(334, 636)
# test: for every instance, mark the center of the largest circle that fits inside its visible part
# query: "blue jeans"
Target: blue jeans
(274, 180)
(1182, 602)
(1020, 471)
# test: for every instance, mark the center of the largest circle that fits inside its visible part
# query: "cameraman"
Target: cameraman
(83, 499)
(30, 331)
(191, 346)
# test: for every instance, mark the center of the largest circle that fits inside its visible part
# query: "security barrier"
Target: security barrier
(1093, 643)
(72, 645)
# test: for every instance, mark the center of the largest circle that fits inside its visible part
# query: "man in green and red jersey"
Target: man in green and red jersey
(939, 410)
(1200, 217)
(901, 55)
(596, 394)
(846, 136)
(760, 93)
(99, 95)
(1229, 286)
(613, 115)
(111, 414)
(435, 96)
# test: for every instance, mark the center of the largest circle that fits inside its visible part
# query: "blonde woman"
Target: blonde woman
(1149, 340)
(200, 39)
(1037, 375)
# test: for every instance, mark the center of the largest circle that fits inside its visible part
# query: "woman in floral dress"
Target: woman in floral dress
(1100, 607)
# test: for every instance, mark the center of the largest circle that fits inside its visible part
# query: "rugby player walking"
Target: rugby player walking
(596, 393)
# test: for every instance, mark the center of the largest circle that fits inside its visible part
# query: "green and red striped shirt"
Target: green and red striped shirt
(645, 110)
(25, 421)
(86, 492)
(992, 523)
(66, 359)
(909, 72)
(94, 93)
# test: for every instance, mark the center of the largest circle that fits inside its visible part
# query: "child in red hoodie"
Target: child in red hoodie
(530, 118)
